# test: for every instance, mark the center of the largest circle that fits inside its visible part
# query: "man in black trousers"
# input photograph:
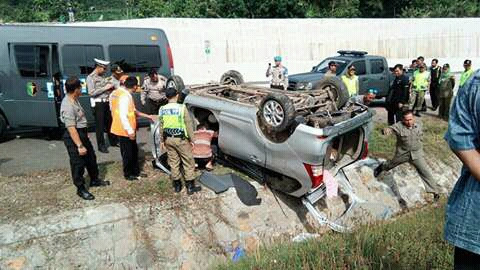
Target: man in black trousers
(79, 148)
(397, 100)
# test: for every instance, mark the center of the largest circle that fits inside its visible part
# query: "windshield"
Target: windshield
(323, 66)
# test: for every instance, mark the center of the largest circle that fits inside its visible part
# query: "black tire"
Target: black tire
(176, 82)
(337, 89)
(277, 112)
(3, 126)
(232, 77)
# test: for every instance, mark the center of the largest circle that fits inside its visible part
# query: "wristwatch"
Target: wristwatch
(80, 146)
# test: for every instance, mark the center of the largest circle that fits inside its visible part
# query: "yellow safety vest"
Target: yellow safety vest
(173, 118)
(420, 80)
(465, 76)
(351, 84)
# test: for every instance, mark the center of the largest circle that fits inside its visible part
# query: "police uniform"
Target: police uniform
(409, 148)
(279, 75)
(177, 132)
(99, 93)
(420, 85)
(73, 115)
(153, 94)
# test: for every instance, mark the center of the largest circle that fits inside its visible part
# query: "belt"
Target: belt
(181, 136)
(100, 99)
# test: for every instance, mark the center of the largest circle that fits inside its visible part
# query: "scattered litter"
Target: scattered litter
(239, 253)
(305, 236)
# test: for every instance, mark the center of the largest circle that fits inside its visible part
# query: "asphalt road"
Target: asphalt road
(32, 152)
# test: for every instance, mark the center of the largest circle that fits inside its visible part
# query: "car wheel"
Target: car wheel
(176, 82)
(277, 112)
(3, 126)
(336, 90)
(231, 77)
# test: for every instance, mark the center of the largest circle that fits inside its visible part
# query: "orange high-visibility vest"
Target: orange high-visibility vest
(117, 127)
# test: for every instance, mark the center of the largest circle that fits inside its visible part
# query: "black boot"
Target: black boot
(378, 170)
(99, 183)
(191, 188)
(84, 194)
(177, 185)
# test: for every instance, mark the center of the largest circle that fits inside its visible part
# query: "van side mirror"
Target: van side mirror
(314, 68)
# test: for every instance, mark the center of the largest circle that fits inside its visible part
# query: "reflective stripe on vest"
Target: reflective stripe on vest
(351, 84)
(117, 127)
(465, 76)
(173, 117)
(420, 80)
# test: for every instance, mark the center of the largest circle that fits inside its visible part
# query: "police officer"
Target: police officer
(467, 73)
(397, 99)
(409, 149)
(79, 148)
(153, 92)
(117, 73)
(177, 133)
(420, 84)
(279, 74)
(99, 89)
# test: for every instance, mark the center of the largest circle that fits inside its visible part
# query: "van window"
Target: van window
(78, 59)
(376, 66)
(32, 60)
(135, 58)
(360, 67)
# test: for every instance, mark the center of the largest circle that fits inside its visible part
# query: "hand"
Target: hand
(131, 136)
(152, 118)
(192, 144)
(387, 131)
(82, 151)
(269, 64)
(110, 86)
(162, 145)
(400, 105)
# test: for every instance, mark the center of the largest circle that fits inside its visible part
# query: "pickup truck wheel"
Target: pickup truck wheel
(277, 112)
(176, 82)
(231, 77)
(3, 126)
(336, 88)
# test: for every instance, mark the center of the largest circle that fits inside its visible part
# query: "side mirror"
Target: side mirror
(314, 68)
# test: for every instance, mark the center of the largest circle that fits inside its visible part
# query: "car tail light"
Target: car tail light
(316, 174)
(365, 150)
(170, 58)
(322, 137)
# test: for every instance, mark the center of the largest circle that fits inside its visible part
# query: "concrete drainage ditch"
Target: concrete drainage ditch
(203, 229)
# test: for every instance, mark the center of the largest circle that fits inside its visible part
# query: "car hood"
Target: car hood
(306, 77)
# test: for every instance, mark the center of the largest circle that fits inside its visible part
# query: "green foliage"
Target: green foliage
(90, 10)
(413, 241)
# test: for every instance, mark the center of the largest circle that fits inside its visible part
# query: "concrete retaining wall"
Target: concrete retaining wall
(249, 45)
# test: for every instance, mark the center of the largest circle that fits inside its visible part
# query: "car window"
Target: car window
(135, 58)
(32, 60)
(360, 67)
(323, 66)
(376, 66)
(78, 59)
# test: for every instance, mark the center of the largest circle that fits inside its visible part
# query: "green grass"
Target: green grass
(413, 241)
(381, 146)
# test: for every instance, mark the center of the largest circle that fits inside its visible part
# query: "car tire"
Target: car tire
(232, 77)
(176, 82)
(3, 126)
(337, 88)
(277, 112)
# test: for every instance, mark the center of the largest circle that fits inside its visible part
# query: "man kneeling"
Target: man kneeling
(202, 150)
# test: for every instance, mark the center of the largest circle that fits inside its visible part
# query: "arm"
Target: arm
(93, 91)
(76, 139)
(188, 124)
(144, 93)
(471, 159)
(141, 114)
(269, 71)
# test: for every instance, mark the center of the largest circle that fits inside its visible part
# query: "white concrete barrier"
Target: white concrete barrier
(248, 45)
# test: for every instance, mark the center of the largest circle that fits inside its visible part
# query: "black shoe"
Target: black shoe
(131, 178)
(84, 194)
(191, 188)
(99, 183)
(417, 114)
(177, 185)
(378, 170)
(141, 175)
(103, 149)
(436, 197)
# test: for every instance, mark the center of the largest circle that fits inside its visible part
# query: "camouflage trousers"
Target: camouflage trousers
(180, 157)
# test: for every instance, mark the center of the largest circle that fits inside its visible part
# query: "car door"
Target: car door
(378, 78)
(361, 72)
(32, 101)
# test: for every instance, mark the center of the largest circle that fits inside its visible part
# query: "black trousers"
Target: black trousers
(465, 260)
(152, 107)
(279, 87)
(79, 163)
(434, 95)
(394, 116)
(129, 151)
(103, 122)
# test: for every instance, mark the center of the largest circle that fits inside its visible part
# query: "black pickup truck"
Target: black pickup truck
(372, 72)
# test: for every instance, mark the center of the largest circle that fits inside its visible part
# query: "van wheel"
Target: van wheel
(231, 77)
(336, 89)
(277, 112)
(176, 82)
(3, 126)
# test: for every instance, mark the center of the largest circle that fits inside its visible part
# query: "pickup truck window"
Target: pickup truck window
(323, 66)
(360, 67)
(376, 66)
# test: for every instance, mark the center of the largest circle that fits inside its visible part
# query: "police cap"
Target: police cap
(100, 62)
